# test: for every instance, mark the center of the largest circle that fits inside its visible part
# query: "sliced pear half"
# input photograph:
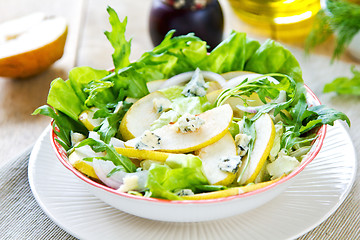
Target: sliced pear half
(140, 116)
(230, 191)
(155, 85)
(30, 44)
(211, 157)
(217, 122)
(264, 140)
(87, 118)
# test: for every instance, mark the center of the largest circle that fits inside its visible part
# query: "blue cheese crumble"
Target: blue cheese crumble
(148, 141)
(197, 86)
(189, 123)
(161, 104)
(283, 164)
(242, 144)
(230, 164)
(130, 183)
(184, 192)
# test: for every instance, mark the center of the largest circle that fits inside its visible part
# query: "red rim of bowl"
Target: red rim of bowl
(61, 155)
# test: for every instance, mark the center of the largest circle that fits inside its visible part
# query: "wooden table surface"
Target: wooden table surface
(87, 46)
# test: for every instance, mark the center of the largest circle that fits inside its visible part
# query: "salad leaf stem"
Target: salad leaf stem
(111, 154)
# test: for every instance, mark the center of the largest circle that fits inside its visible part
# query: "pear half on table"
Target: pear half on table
(30, 44)
(217, 122)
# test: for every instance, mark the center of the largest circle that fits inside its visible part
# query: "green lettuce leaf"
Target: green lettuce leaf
(80, 77)
(272, 57)
(172, 93)
(192, 105)
(228, 56)
(180, 172)
(63, 98)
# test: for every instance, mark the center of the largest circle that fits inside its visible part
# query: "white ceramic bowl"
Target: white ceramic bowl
(192, 210)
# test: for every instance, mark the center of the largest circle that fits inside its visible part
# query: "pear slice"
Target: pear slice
(155, 85)
(76, 159)
(87, 118)
(216, 124)
(30, 44)
(264, 140)
(140, 116)
(143, 154)
(230, 191)
(211, 157)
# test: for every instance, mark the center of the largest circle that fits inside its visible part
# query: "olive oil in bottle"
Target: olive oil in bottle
(286, 20)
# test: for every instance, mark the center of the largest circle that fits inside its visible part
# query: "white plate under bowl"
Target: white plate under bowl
(315, 194)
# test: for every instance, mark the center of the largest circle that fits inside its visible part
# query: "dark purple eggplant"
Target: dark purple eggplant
(206, 22)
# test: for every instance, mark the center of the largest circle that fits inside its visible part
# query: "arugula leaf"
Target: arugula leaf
(345, 85)
(109, 127)
(304, 119)
(111, 154)
(117, 39)
(172, 56)
(136, 82)
(248, 129)
(340, 17)
(99, 93)
(64, 123)
(325, 114)
(265, 89)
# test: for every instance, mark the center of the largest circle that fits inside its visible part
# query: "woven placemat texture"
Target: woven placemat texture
(22, 218)
(20, 215)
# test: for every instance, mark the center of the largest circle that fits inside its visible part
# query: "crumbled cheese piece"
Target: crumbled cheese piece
(119, 106)
(184, 192)
(117, 142)
(189, 123)
(283, 164)
(76, 138)
(130, 183)
(161, 104)
(196, 87)
(148, 141)
(242, 143)
(230, 164)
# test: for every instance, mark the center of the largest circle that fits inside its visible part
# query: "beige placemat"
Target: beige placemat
(22, 218)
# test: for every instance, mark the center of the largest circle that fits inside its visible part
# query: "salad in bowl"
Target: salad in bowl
(182, 127)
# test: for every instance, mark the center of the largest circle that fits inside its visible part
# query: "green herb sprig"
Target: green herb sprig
(345, 85)
(340, 17)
